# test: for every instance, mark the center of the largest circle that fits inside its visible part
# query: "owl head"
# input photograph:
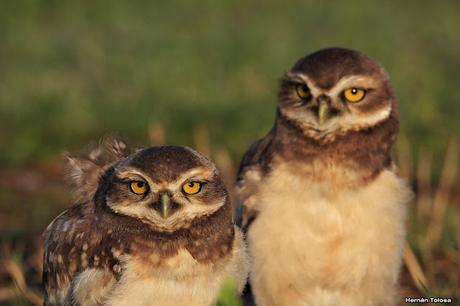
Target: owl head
(165, 187)
(335, 91)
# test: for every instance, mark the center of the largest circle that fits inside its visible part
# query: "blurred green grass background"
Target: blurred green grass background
(72, 72)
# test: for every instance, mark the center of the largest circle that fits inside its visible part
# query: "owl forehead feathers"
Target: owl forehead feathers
(328, 66)
(167, 163)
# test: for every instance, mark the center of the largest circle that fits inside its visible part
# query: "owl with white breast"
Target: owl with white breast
(319, 197)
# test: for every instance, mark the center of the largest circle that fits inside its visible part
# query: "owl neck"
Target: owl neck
(366, 152)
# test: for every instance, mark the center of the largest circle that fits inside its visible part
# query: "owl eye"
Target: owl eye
(138, 187)
(302, 91)
(192, 187)
(354, 94)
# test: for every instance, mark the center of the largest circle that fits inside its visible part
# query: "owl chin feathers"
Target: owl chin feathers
(183, 219)
(307, 122)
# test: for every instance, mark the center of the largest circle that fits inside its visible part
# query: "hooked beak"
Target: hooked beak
(324, 110)
(165, 205)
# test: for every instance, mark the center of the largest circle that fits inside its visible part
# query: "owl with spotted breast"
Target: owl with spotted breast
(319, 197)
(149, 228)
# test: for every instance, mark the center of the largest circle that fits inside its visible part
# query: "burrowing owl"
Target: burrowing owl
(151, 228)
(322, 203)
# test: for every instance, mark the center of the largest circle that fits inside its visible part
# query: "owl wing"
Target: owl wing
(254, 164)
(77, 267)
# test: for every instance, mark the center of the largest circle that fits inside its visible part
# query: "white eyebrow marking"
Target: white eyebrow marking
(133, 173)
(197, 173)
(300, 77)
(352, 81)
(345, 82)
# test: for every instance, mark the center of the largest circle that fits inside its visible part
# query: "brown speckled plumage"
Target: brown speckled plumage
(93, 236)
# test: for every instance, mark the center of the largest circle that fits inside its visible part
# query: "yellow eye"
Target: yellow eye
(192, 187)
(302, 91)
(354, 94)
(138, 187)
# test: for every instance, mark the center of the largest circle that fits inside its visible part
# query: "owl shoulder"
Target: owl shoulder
(257, 156)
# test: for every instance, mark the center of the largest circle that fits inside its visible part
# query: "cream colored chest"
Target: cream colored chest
(314, 231)
(180, 280)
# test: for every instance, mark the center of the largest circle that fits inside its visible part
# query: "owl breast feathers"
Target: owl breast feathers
(151, 228)
(319, 196)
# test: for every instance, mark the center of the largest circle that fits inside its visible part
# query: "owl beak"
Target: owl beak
(165, 206)
(324, 110)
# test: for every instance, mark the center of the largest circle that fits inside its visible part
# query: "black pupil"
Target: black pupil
(140, 184)
(304, 89)
(191, 184)
(354, 91)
